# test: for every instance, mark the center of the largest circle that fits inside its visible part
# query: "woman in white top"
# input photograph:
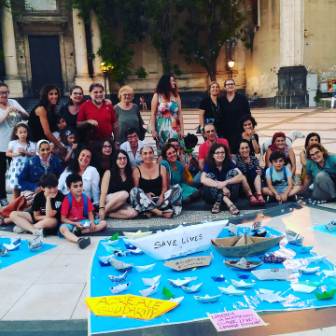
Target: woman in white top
(11, 112)
(81, 165)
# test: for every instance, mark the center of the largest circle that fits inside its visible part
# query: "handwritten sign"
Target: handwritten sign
(236, 319)
(131, 306)
(186, 263)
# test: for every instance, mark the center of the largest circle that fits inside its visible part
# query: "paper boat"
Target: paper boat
(242, 284)
(324, 293)
(151, 281)
(119, 265)
(181, 282)
(118, 278)
(192, 289)
(137, 234)
(310, 270)
(233, 229)
(145, 268)
(182, 264)
(135, 251)
(119, 288)
(150, 290)
(243, 246)
(331, 226)
(273, 274)
(14, 244)
(329, 273)
(302, 288)
(231, 290)
(3, 251)
(177, 300)
(294, 238)
(218, 278)
(180, 241)
(243, 264)
(207, 298)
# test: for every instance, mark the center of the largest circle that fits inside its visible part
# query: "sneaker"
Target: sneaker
(3, 202)
(18, 229)
(83, 242)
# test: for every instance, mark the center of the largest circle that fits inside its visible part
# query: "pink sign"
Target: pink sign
(236, 319)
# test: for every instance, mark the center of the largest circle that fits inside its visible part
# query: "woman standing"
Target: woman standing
(210, 106)
(11, 112)
(42, 120)
(116, 184)
(128, 114)
(151, 195)
(81, 166)
(70, 110)
(175, 171)
(166, 114)
(248, 164)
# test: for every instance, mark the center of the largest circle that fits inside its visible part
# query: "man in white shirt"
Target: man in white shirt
(133, 146)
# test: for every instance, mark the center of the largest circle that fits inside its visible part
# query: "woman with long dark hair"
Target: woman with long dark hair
(42, 119)
(166, 115)
(311, 138)
(116, 184)
(103, 159)
(248, 124)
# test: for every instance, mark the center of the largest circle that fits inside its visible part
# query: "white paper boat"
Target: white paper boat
(331, 226)
(269, 296)
(179, 241)
(294, 238)
(14, 244)
(119, 265)
(273, 274)
(231, 290)
(329, 273)
(207, 298)
(151, 281)
(192, 289)
(3, 251)
(145, 268)
(177, 300)
(233, 229)
(119, 288)
(242, 284)
(118, 278)
(181, 282)
(310, 270)
(302, 288)
(135, 251)
(150, 290)
(137, 234)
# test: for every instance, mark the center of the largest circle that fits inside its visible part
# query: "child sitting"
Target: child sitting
(279, 179)
(69, 138)
(77, 213)
(45, 210)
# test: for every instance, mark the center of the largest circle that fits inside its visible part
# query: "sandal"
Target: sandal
(233, 210)
(253, 200)
(216, 208)
(260, 199)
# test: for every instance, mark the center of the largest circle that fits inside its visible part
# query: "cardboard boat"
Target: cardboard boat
(243, 246)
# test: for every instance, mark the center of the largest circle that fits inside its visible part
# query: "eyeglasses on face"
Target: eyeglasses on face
(315, 153)
(220, 153)
(229, 84)
(210, 131)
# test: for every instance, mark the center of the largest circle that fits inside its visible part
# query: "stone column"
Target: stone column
(292, 75)
(82, 74)
(96, 44)
(9, 49)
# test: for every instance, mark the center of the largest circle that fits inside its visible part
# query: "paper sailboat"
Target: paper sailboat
(309, 270)
(192, 289)
(119, 288)
(179, 241)
(177, 300)
(145, 268)
(137, 234)
(207, 298)
(181, 282)
(119, 265)
(150, 290)
(243, 264)
(243, 246)
(231, 290)
(118, 278)
(151, 281)
(294, 238)
(242, 284)
(3, 251)
(14, 244)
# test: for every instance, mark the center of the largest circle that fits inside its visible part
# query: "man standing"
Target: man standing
(211, 138)
(234, 107)
(132, 146)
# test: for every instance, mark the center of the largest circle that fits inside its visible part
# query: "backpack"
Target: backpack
(85, 200)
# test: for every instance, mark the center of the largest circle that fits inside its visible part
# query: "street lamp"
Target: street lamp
(229, 49)
(106, 68)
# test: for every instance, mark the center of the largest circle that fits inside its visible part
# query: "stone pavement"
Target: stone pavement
(53, 285)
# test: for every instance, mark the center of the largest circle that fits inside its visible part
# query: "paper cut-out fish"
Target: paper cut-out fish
(151, 281)
(231, 290)
(192, 289)
(145, 268)
(181, 282)
(207, 298)
(118, 278)
(119, 288)
(150, 290)
(242, 284)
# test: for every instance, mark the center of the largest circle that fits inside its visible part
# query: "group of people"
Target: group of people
(87, 160)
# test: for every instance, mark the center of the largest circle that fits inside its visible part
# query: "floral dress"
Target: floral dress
(167, 120)
(17, 162)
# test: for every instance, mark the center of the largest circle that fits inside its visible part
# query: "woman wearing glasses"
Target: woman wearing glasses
(11, 112)
(320, 170)
(128, 114)
(221, 180)
(115, 187)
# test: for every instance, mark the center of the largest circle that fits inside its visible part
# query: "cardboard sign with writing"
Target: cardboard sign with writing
(186, 263)
(236, 319)
(132, 306)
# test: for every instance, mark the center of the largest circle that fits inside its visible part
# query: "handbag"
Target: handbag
(18, 204)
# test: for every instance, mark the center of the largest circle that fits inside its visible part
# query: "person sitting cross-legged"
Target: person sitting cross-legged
(45, 210)
(279, 179)
(77, 214)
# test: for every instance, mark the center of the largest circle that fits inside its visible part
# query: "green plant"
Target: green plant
(141, 72)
